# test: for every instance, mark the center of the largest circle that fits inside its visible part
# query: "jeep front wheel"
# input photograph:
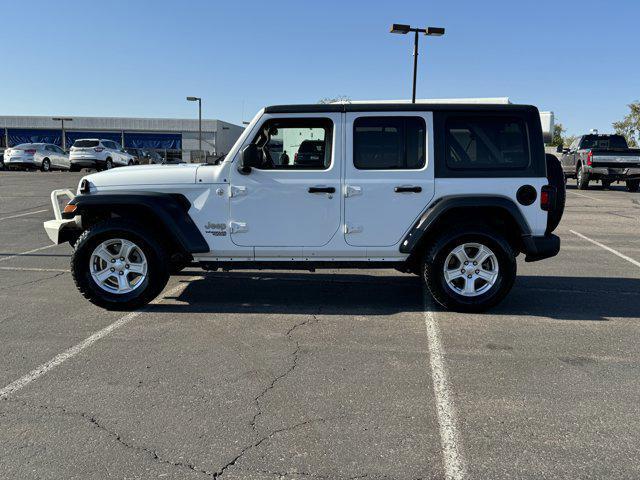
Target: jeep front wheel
(119, 266)
(469, 270)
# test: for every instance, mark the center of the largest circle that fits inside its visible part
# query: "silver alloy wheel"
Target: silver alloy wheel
(118, 266)
(471, 269)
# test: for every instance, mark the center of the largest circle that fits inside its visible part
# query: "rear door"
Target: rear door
(389, 175)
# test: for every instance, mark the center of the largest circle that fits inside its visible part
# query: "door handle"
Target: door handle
(322, 190)
(407, 189)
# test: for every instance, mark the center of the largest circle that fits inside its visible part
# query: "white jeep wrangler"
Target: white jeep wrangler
(452, 193)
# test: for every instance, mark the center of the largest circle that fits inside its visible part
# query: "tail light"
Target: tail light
(547, 198)
(98, 149)
(590, 158)
(30, 151)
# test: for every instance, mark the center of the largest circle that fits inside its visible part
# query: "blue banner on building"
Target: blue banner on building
(34, 135)
(73, 136)
(153, 141)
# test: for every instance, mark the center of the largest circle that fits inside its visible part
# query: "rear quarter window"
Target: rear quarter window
(486, 144)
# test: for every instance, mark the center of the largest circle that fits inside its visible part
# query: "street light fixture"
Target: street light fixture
(403, 29)
(62, 120)
(199, 100)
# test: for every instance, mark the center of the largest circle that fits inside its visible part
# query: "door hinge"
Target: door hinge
(352, 190)
(236, 191)
(352, 228)
(238, 227)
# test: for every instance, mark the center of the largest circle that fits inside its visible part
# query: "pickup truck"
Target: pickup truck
(606, 158)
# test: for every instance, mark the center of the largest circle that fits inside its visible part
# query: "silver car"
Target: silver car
(41, 156)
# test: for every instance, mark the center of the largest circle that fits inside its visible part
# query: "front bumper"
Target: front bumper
(614, 173)
(540, 247)
(61, 230)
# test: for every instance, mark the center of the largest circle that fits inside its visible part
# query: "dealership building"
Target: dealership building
(172, 137)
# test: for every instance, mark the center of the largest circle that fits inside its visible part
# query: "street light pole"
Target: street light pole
(199, 100)
(62, 120)
(429, 31)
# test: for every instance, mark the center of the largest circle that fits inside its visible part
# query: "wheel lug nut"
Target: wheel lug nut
(477, 271)
(462, 271)
(113, 269)
(122, 259)
(121, 273)
(466, 263)
(475, 263)
(469, 276)
(113, 260)
(126, 266)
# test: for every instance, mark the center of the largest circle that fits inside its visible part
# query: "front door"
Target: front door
(389, 175)
(293, 198)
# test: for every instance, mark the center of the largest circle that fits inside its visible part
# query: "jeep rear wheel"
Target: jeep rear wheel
(469, 270)
(632, 185)
(119, 266)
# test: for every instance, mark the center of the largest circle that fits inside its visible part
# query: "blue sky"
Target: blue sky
(141, 58)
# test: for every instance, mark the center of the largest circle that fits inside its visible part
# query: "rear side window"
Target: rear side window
(389, 143)
(85, 143)
(486, 143)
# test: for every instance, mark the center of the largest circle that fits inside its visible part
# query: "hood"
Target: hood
(142, 175)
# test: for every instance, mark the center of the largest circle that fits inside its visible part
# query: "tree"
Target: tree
(629, 126)
(558, 135)
(339, 98)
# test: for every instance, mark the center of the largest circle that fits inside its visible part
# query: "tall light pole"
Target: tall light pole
(62, 120)
(429, 31)
(199, 100)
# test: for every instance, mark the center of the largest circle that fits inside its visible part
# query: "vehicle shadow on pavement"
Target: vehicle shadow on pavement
(573, 298)
(299, 293)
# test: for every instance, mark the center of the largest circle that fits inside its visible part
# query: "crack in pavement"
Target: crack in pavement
(295, 355)
(38, 280)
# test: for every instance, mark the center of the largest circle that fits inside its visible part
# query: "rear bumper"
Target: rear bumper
(614, 173)
(87, 162)
(540, 247)
(21, 164)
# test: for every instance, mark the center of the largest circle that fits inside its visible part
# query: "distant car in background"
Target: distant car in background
(154, 157)
(36, 156)
(138, 154)
(98, 153)
(310, 154)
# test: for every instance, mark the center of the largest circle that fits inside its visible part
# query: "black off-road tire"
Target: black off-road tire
(633, 185)
(606, 184)
(582, 178)
(157, 265)
(437, 253)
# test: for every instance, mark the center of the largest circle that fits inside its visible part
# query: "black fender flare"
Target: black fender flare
(169, 208)
(440, 206)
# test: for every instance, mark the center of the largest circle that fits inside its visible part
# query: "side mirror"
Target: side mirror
(560, 149)
(248, 158)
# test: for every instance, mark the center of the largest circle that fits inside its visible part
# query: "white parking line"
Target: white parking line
(30, 269)
(2, 259)
(73, 351)
(23, 214)
(449, 438)
(585, 196)
(609, 249)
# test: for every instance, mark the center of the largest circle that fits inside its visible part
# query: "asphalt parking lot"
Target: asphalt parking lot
(329, 375)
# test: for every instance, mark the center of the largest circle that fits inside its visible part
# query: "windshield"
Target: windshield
(603, 141)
